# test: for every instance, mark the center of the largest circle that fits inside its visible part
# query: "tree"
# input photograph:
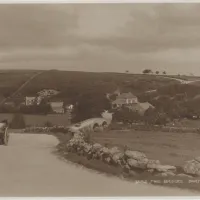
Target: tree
(157, 72)
(155, 117)
(126, 115)
(147, 71)
(18, 121)
(90, 104)
(127, 71)
(164, 72)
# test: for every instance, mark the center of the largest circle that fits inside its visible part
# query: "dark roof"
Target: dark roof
(119, 101)
(128, 95)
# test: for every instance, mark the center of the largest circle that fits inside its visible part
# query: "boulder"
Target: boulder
(87, 148)
(150, 171)
(184, 175)
(105, 151)
(157, 162)
(163, 174)
(113, 151)
(136, 155)
(117, 157)
(165, 168)
(141, 164)
(96, 146)
(192, 167)
(108, 160)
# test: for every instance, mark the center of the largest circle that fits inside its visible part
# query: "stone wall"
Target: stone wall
(130, 161)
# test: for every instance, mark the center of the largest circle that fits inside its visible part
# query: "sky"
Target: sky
(101, 37)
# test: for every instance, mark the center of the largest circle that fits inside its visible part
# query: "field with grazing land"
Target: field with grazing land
(169, 148)
(40, 120)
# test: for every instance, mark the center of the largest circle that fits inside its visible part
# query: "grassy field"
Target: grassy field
(169, 148)
(186, 123)
(40, 120)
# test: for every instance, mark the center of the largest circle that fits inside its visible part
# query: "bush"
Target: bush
(18, 121)
(48, 124)
(87, 137)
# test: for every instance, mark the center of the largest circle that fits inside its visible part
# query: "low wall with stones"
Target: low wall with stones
(130, 161)
(55, 129)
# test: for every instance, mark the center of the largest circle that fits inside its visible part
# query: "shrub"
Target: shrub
(87, 137)
(18, 121)
(48, 124)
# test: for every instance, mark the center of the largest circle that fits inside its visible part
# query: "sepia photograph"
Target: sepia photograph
(100, 100)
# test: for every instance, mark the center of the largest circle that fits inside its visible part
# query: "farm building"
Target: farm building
(124, 99)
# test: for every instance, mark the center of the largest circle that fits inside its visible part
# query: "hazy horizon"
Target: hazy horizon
(101, 37)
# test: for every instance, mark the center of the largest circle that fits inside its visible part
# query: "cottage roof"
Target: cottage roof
(128, 95)
(120, 101)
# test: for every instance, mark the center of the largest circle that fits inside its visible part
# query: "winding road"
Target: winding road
(30, 168)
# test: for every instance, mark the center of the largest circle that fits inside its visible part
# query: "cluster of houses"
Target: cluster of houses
(57, 106)
(131, 101)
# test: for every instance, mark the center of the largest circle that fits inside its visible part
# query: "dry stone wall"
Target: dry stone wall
(130, 161)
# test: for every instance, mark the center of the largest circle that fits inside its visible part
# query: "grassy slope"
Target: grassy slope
(83, 81)
(11, 80)
(169, 148)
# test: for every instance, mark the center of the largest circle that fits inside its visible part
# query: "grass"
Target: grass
(186, 123)
(79, 81)
(169, 148)
(40, 120)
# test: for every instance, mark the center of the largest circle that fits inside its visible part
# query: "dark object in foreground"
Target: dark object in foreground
(4, 136)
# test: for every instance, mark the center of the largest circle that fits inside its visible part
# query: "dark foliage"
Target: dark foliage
(18, 121)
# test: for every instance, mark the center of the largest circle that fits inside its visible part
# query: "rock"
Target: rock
(114, 150)
(141, 164)
(163, 174)
(134, 155)
(192, 167)
(108, 160)
(165, 168)
(150, 170)
(161, 168)
(126, 168)
(170, 173)
(104, 151)
(87, 148)
(97, 146)
(184, 175)
(117, 157)
(151, 166)
(157, 162)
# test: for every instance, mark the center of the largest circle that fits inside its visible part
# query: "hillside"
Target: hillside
(11, 80)
(88, 90)
(71, 84)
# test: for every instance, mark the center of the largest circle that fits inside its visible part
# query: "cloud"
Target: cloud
(105, 37)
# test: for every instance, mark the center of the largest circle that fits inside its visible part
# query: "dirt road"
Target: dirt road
(29, 168)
